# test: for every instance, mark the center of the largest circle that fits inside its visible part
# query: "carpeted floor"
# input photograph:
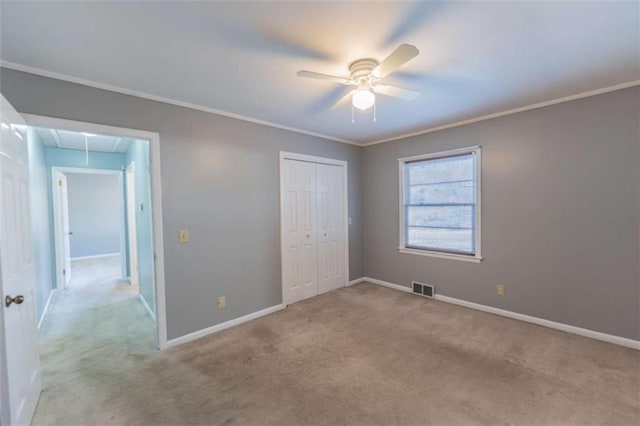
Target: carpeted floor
(363, 355)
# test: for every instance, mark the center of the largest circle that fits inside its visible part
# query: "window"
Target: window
(440, 204)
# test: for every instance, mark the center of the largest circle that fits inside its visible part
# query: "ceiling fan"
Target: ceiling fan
(366, 76)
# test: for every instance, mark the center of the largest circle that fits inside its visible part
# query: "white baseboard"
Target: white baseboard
(387, 284)
(354, 282)
(46, 307)
(147, 307)
(95, 256)
(616, 340)
(223, 326)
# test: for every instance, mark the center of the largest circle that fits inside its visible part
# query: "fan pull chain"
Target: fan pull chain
(353, 121)
(374, 112)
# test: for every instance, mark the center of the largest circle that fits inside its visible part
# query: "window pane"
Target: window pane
(441, 170)
(456, 240)
(442, 193)
(440, 197)
(441, 216)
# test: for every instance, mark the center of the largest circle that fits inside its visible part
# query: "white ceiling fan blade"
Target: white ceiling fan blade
(395, 60)
(343, 99)
(396, 92)
(320, 76)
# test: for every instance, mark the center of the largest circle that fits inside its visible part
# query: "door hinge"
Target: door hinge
(59, 183)
(64, 272)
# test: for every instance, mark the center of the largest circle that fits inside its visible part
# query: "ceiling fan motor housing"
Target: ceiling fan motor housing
(361, 70)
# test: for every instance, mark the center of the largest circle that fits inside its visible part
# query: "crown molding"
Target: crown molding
(509, 112)
(111, 88)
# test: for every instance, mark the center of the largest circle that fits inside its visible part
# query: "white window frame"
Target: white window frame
(477, 257)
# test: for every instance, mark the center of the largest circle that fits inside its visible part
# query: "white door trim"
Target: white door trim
(156, 198)
(56, 212)
(58, 237)
(132, 227)
(345, 176)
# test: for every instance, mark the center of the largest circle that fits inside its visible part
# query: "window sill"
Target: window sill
(451, 256)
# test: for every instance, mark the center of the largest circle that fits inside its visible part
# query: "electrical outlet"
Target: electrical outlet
(183, 236)
(500, 290)
(222, 302)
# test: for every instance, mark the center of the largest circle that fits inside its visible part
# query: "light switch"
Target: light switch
(349, 221)
(183, 236)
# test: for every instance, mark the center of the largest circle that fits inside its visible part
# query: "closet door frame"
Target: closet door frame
(345, 173)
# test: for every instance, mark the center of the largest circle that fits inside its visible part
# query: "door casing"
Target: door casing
(132, 229)
(62, 252)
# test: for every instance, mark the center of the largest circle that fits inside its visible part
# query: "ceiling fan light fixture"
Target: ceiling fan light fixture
(365, 74)
(363, 99)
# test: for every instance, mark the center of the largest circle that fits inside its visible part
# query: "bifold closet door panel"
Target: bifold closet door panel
(330, 220)
(300, 233)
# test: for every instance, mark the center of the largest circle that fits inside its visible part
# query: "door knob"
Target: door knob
(325, 234)
(308, 235)
(17, 300)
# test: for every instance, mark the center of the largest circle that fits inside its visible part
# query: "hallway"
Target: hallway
(90, 340)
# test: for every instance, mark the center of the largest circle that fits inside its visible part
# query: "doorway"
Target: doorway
(102, 219)
(89, 223)
(144, 155)
(314, 225)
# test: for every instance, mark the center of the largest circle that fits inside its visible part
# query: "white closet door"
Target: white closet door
(331, 213)
(299, 224)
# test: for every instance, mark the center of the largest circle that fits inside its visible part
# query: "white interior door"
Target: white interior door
(20, 365)
(330, 219)
(131, 225)
(299, 230)
(61, 212)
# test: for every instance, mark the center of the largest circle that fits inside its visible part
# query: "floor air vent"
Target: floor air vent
(423, 289)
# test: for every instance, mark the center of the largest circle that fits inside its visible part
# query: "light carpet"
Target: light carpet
(363, 355)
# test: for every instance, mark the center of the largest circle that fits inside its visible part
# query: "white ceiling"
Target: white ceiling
(76, 140)
(476, 58)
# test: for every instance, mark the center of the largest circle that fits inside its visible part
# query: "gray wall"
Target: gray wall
(219, 180)
(95, 213)
(561, 205)
(138, 153)
(40, 221)
(560, 214)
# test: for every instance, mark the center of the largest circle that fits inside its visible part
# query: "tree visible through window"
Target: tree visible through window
(439, 202)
